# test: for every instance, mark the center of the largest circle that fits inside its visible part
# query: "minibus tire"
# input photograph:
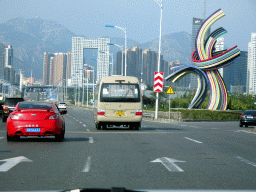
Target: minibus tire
(103, 126)
(97, 126)
(138, 126)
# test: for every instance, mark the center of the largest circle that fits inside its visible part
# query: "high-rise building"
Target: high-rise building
(8, 56)
(251, 66)
(56, 68)
(235, 75)
(2, 58)
(219, 46)
(60, 63)
(150, 61)
(78, 45)
(46, 67)
(68, 73)
(134, 62)
(9, 74)
(120, 63)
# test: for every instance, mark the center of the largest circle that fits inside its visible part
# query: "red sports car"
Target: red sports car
(36, 119)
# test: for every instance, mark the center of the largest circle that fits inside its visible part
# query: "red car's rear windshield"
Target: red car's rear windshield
(34, 105)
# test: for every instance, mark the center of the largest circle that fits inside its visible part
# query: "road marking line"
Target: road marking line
(1, 137)
(214, 128)
(124, 132)
(84, 125)
(91, 140)
(74, 118)
(88, 130)
(87, 165)
(245, 131)
(80, 122)
(194, 127)
(193, 140)
(246, 161)
(169, 164)
(183, 125)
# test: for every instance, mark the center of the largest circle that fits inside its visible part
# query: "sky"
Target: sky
(140, 17)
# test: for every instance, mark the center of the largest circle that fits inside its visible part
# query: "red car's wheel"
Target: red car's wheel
(9, 138)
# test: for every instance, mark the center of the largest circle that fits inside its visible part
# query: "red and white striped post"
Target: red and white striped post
(158, 87)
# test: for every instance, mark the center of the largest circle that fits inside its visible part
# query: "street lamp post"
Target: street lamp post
(121, 47)
(124, 30)
(160, 3)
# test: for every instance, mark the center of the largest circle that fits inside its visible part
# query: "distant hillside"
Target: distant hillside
(31, 37)
(175, 46)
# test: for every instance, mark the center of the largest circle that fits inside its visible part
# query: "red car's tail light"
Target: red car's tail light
(242, 116)
(12, 116)
(138, 112)
(55, 116)
(101, 112)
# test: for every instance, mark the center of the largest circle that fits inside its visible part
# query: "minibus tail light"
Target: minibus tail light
(101, 112)
(138, 112)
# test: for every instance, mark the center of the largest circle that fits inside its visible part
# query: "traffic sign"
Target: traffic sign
(158, 81)
(170, 90)
(53, 96)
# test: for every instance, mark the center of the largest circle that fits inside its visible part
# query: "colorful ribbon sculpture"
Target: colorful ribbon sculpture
(206, 64)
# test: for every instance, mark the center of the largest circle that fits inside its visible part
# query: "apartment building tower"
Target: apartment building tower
(251, 66)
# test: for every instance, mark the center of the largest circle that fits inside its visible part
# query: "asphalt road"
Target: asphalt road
(162, 155)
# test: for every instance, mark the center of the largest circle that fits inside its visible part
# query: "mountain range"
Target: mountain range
(30, 38)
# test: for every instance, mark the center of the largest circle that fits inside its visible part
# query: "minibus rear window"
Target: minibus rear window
(119, 92)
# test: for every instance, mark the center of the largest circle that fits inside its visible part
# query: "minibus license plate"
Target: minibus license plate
(119, 112)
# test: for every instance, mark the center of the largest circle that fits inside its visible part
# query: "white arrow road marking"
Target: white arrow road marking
(91, 140)
(169, 163)
(246, 161)
(12, 162)
(87, 165)
(193, 140)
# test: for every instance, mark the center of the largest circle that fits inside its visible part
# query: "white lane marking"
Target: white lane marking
(193, 140)
(11, 162)
(214, 128)
(88, 130)
(183, 125)
(84, 125)
(91, 140)
(246, 161)
(87, 165)
(80, 122)
(74, 118)
(245, 131)
(194, 127)
(124, 132)
(1, 137)
(169, 163)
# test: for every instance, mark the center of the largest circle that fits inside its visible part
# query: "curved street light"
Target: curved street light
(124, 30)
(121, 47)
